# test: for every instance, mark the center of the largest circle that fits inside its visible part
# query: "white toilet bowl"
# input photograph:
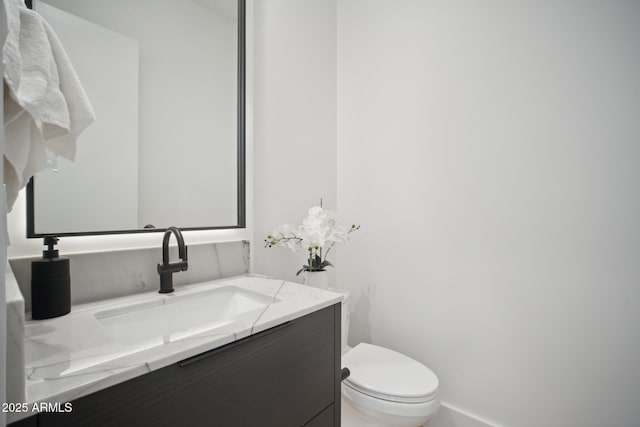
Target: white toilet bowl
(385, 388)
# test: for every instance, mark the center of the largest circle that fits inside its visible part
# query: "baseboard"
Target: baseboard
(450, 416)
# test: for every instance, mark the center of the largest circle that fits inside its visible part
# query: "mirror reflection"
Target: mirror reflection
(162, 76)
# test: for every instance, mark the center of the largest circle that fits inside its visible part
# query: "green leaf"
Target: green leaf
(326, 264)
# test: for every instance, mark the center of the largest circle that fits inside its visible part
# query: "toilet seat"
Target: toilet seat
(371, 405)
(386, 375)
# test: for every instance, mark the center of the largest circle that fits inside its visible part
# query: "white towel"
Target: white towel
(45, 106)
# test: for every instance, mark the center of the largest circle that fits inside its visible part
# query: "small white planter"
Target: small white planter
(317, 279)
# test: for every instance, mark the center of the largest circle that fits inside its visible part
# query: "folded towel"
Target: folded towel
(45, 106)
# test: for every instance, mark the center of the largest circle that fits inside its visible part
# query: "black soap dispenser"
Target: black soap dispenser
(50, 283)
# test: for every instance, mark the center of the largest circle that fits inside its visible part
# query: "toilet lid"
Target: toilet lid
(386, 374)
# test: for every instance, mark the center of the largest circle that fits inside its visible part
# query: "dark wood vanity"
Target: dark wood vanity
(288, 375)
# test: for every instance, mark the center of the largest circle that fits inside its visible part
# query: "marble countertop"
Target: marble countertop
(72, 356)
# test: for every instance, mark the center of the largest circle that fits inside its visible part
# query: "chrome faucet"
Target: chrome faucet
(166, 269)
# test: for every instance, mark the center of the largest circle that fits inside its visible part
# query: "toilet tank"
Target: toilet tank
(345, 319)
(345, 325)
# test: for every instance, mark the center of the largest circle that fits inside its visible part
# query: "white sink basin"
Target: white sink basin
(179, 316)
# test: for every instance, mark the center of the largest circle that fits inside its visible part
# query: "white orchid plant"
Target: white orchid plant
(317, 234)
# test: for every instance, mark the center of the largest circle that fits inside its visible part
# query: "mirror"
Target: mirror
(166, 79)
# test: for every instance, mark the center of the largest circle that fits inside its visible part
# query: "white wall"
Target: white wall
(491, 152)
(295, 121)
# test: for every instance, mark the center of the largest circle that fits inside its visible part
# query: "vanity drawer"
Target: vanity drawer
(281, 377)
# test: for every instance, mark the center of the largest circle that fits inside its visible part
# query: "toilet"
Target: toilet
(385, 388)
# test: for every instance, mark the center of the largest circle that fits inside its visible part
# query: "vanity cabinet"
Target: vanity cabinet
(285, 376)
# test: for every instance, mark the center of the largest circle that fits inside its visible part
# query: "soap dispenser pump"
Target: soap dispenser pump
(50, 283)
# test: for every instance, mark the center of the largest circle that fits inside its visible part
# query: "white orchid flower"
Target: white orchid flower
(318, 231)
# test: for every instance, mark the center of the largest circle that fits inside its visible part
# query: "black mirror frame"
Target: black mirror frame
(241, 167)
